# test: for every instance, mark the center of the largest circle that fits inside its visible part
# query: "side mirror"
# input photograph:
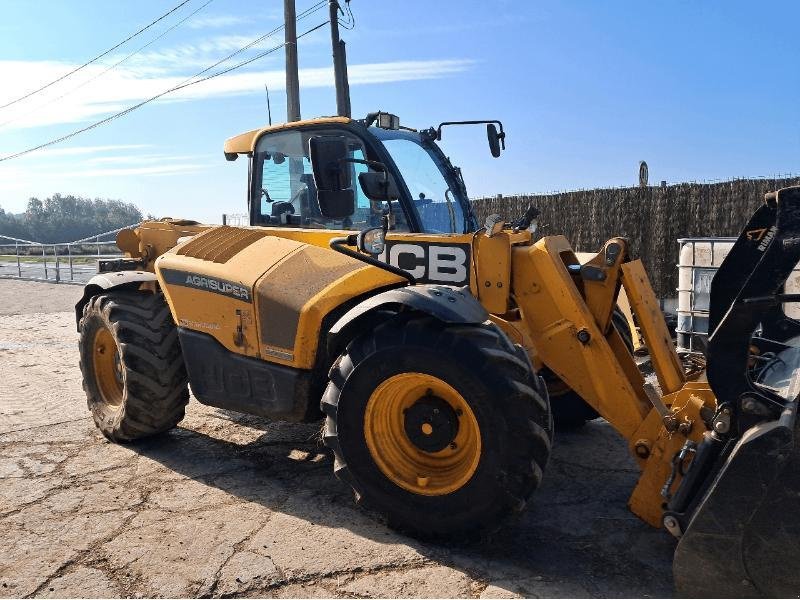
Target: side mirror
(495, 139)
(372, 241)
(378, 186)
(332, 179)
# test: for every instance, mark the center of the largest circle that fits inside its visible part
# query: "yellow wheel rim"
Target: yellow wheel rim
(107, 367)
(409, 417)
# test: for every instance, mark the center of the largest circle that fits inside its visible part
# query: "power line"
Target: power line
(111, 67)
(350, 23)
(98, 57)
(257, 41)
(185, 84)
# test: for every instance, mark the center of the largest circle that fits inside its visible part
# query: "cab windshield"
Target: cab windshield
(436, 196)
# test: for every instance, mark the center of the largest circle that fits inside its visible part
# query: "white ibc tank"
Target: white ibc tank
(698, 261)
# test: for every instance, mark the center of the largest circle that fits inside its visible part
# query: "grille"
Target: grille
(220, 244)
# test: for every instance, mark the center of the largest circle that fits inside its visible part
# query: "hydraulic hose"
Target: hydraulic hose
(339, 244)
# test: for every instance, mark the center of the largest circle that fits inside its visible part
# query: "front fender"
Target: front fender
(445, 303)
(105, 281)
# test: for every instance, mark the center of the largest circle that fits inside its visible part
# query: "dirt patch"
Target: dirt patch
(27, 297)
(235, 505)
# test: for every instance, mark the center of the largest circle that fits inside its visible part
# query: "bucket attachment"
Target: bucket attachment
(737, 510)
(744, 538)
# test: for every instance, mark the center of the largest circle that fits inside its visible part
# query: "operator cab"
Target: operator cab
(374, 169)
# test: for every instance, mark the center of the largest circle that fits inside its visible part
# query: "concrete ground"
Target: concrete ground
(229, 505)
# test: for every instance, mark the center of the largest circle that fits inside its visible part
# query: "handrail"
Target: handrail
(99, 235)
(20, 240)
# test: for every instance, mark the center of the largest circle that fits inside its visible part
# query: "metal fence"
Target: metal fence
(67, 262)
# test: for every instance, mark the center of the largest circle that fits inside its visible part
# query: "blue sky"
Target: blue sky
(701, 90)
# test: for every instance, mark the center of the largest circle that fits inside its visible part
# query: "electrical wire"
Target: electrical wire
(111, 67)
(98, 57)
(309, 11)
(185, 84)
(351, 20)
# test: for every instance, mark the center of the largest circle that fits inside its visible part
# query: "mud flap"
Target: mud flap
(744, 537)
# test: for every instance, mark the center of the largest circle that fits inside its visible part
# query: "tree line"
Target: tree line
(67, 218)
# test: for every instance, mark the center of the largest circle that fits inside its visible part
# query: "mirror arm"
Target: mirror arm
(378, 166)
(438, 131)
(371, 118)
(339, 244)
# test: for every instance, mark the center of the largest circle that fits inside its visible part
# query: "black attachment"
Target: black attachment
(528, 218)
(737, 505)
(119, 264)
(746, 287)
(742, 540)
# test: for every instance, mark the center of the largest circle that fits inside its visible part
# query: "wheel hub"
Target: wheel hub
(422, 434)
(431, 423)
(108, 368)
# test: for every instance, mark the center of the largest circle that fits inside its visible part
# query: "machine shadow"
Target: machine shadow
(576, 531)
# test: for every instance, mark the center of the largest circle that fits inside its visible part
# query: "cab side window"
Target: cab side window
(288, 196)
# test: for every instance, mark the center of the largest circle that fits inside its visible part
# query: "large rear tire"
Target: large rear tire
(133, 371)
(442, 428)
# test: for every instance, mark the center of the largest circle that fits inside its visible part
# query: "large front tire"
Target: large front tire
(442, 428)
(133, 371)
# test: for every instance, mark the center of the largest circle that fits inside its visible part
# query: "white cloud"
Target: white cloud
(132, 170)
(76, 150)
(99, 161)
(142, 159)
(19, 181)
(195, 56)
(123, 87)
(215, 21)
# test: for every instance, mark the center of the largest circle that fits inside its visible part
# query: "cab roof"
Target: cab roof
(245, 143)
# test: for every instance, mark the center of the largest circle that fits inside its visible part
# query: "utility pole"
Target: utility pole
(292, 78)
(339, 63)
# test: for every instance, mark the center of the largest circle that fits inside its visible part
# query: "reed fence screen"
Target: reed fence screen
(652, 218)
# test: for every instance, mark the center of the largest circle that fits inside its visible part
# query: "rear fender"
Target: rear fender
(108, 281)
(445, 303)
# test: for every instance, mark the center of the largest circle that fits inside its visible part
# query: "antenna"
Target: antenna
(269, 110)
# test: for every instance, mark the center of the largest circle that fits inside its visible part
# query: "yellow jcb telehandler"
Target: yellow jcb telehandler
(365, 291)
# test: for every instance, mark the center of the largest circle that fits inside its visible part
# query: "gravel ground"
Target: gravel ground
(233, 505)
